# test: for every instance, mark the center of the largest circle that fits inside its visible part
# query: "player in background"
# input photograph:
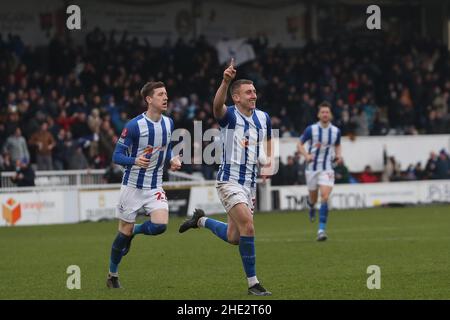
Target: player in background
(243, 127)
(143, 149)
(324, 149)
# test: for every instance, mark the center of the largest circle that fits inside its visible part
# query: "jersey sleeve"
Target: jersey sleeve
(227, 117)
(127, 137)
(307, 135)
(338, 138)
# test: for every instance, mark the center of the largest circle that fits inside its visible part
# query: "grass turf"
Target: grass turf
(410, 245)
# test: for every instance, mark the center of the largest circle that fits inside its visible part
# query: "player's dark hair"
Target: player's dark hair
(149, 88)
(324, 104)
(237, 84)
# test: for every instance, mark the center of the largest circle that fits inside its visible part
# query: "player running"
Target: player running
(143, 148)
(324, 149)
(243, 129)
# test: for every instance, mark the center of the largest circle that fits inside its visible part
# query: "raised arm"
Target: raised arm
(219, 108)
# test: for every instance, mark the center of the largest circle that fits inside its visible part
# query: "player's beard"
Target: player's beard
(251, 105)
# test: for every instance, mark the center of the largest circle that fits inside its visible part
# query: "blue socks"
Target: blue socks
(247, 251)
(246, 247)
(120, 242)
(218, 228)
(149, 228)
(323, 215)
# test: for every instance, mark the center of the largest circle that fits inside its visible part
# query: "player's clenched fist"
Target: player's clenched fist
(142, 161)
(229, 72)
(175, 163)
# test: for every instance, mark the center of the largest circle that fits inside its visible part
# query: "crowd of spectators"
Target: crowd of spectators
(62, 106)
(437, 167)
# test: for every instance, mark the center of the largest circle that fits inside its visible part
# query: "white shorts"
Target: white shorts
(319, 178)
(133, 200)
(230, 194)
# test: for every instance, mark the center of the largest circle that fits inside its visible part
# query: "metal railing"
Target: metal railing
(183, 176)
(83, 177)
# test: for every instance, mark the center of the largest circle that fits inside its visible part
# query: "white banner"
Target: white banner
(205, 198)
(32, 208)
(353, 196)
(98, 204)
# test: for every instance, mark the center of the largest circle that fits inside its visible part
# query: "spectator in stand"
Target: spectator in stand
(368, 176)
(16, 146)
(80, 129)
(77, 160)
(3, 135)
(289, 173)
(60, 151)
(391, 169)
(6, 163)
(64, 121)
(410, 173)
(341, 173)
(301, 166)
(24, 174)
(360, 121)
(436, 123)
(106, 141)
(44, 143)
(442, 166)
(419, 172)
(430, 167)
(380, 126)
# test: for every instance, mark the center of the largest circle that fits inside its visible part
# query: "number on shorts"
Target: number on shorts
(161, 196)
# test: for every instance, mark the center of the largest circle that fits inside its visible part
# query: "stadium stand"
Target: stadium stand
(85, 94)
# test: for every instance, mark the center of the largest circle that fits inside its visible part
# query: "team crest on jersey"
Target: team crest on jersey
(149, 150)
(318, 145)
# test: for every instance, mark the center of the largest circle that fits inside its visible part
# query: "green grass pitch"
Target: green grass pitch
(410, 245)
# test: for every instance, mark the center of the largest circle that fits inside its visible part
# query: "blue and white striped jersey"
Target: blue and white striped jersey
(322, 142)
(141, 135)
(242, 138)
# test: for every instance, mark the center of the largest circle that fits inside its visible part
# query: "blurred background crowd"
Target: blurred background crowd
(63, 106)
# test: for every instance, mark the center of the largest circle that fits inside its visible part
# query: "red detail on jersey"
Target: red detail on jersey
(124, 133)
(318, 145)
(245, 143)
(148, 150)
